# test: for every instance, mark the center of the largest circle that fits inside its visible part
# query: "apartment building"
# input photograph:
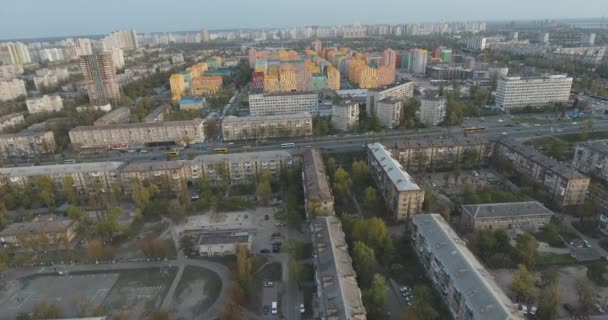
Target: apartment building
(11, 120)
(338, 295)
(27, 143)
(116, 116)
(10, 71)
(17, 53)
(86, 177)
(283, 103)
(388, 111)
(44, 104)
(440, 154)
(527, 215)
(190, 131)
(222, 243)
(122, 39)
(262, 127)
(169, 176)
(591, 157)
(158, 114)
(401, 193)
(178, 86)
(12, 89)
(318, 198)
(432, 108)
(333, 78)
(57, 231)
(468, 289)
(562, 184)
(476, 43)
(398, 91)
(518, 92)
(100, 78)
(345, 115)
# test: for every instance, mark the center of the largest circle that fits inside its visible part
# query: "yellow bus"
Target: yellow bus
(245, 148)
(473, 130)
(221, 150)
(172, 154)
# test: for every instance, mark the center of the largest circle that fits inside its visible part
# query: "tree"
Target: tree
(331, 167)
(373, 298)
(548, 302)
(370, 198)
(5, 217)
(584, 293)
(264, 192)
(342, 182)
(360, 172)
(295, 272)
(176, 212)
(372, 232)
(527, 249)
(422, 307)
(230, 311)
(68, 189)
(75, 213)
(364, 262)
(94, 249)
(186, 244)
(522, 283)
(588, 209)
(243, 264)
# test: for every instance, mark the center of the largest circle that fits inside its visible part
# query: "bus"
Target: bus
(221, 150)
(246, 148)
(69, 161)
(173, 153)
(473, 130)
(288, 145)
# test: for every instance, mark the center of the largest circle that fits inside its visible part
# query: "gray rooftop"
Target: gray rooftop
(221, 238)
(315, 177)
(391, 100)
(138, 166)
(243, 156)
(479, 291)
(47, 224)
(295, 116)
(341, 298)
(10, 116)
(390, 86)
(398, 176)
(440, 143)
(24, 133)
(506, 210)
(195, 122)
(61, 169)
(600, 146)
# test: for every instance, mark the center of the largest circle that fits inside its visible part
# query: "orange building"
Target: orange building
(271, 83)
(333, 78)
(206, 85)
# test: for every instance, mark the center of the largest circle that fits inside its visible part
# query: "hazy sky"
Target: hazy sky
(41, 18)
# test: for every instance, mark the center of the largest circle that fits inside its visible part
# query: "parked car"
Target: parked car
(266, 309)
(569, 308)
(302, 310)
(268, 284)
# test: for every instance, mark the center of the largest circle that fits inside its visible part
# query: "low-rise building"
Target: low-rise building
(591, 157)
(85, 108)
(190, 131)
(432, 108)
(85, 177)
(345, 115)
(338, 295)
(27, 143)
(388, 111)
(402, 195)
(283, 103)
(262, 127)
(11, 120)
(158, 114)
(468, 289)
(191, 103)
(44, 104)
(211, 244)
(318, 198)
(169, 176)
(116, 116)
(398, 91)
(528, 215)
(55, 230)
(12, 89)
(562, 184)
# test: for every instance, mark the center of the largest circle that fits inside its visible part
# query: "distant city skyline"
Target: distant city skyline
(33, 19)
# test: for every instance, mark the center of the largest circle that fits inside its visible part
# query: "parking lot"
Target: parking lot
(71, 292)
(270, 294)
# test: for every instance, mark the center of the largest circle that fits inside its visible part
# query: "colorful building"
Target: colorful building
(214, 62)
(333, 78)
(178, 86)
(257, 81)
(319, 82)
(206, 85)
(271, 83)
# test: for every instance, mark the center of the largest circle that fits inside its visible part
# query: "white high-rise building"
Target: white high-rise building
(432, 109)
(52, 54)
(476, 43)
(44, 104)
(345, 115)
(8, 72)
(118, 58)
(13, 89)
(16, 52)
(50, 77)
(84, 47)
(123, 39)
(283, 103)
(516, 92)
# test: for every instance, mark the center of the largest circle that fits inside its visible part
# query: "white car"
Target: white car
(302, 310)
(504, 133)
(195, 197)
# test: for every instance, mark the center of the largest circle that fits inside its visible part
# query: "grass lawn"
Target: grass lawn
(213, 284)
(551, 238)
(555, 260)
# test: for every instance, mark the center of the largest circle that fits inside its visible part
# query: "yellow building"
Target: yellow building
(178, 86)
(271, 83)
(287, 79)
(206, 85)
(198, 70)
(333, 78)
(368, 78)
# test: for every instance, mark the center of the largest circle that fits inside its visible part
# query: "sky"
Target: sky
(41, 18)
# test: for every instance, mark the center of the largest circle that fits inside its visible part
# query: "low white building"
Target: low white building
(44, 104)
(221, 243)
(9, 72)
(13, 89)
(11, 120)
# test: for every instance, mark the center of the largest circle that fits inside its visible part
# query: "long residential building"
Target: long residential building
(57, 231)
(591, 157)
(11, 120)
(401, 193)
(262, 127)
(283, 103)
(564, 185)
(468, 289)
(338, 295)
(27, 143)
(116, 116)
(318, 197)
(190, 131)
(44, 104)
(527, 215)
(517, 92)
(399, 91)
(10, 71)
(12, 89)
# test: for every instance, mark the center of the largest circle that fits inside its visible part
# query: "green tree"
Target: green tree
(295, 272)
(372, 232)
(527, 247)
(243, 264)
(187, 245)
(342, 182)
(548, 302)
(422, 305)
(364, 262)
(373, 298)
(68, 189)
(370, 198)
(75, 213)
(177, 213)
(584, 293)
(360, 172)
(264, 192)
(5, 217)
(522, 282)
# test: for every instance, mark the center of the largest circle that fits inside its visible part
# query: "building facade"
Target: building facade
(397, 91)
(12, 89)
(100, 78)
(345, 115)
(432, 109)
(11, 120)
(44, 104)
(190, 131)
(591, 157)
(388, 111)
(318, 198)
(27, 143)
(468, 289)
(210, 244)
(528, 215)
(57, 231)
(10, 71)
(517, 92)
(122, 39)
(283, 103)
(402, 195)
(262, 127)
(116, 116)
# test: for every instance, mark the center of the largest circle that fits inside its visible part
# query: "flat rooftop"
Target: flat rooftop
(479, 291)
(440, 143)
(393, 169)
(506, 210)
(315, 176)
(137, 166)
(341, 298)
(389, 86)
(600, 146)
(243, 156)
(221, 238)
(61, 169)
(195, 122)
(47, 224)
(295, 116)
